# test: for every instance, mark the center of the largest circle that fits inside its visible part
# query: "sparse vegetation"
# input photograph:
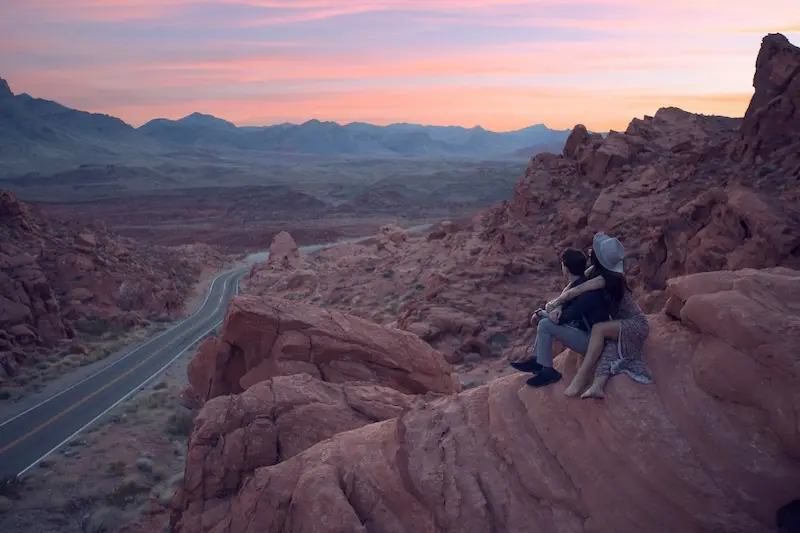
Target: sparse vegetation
(11, 486)
(128, 490)
(102, 520)
(116, 468)
(180, 422)
(470, 384)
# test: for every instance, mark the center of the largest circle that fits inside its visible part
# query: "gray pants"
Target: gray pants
(576, 339)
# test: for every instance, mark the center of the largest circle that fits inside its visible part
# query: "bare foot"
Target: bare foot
(577, 385)
(594, 392)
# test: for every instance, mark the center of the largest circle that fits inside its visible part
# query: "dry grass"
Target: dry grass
(126, 469)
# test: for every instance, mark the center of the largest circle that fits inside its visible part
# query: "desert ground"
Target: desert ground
(241, 208)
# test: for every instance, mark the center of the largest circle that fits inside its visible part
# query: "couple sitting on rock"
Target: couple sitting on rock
(597, 316)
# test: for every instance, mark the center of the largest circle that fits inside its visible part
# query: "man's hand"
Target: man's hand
(555, 315)
(537, 316)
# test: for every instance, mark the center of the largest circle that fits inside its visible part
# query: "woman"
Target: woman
(629, 327)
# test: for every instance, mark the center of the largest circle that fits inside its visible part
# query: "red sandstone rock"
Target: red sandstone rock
(772, 120)
(57, 277)
(266, 337)
(233, 437)
(283, 252)
(720, 419)
(390, 237)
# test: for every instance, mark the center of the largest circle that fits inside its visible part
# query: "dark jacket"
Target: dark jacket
(586, 310)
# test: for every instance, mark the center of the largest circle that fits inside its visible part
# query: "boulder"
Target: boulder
(266, 337)
(713, 445)
(273, 421)
(390, 237)
(283, 252)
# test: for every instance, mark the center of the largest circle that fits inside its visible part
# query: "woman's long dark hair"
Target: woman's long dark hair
(616, 286)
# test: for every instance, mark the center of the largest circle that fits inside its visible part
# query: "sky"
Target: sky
(500, 64)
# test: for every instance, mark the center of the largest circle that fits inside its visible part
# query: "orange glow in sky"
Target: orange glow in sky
(501, 64)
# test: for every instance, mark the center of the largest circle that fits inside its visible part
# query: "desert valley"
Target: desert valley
(365, 386)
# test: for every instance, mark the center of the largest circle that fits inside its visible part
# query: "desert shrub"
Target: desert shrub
(128, 491)
(180, 422)
(102, 520)
(116, 468)
(11, 486)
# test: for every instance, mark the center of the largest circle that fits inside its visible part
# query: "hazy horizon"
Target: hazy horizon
(200, 113)
(500, 64)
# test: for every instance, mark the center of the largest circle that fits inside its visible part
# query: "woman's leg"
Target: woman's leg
(597, 340)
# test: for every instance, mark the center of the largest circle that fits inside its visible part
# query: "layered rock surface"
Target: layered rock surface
(266, 337)
(714, 445)
(60, 280)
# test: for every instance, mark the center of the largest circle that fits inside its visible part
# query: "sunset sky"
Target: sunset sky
(502, 64)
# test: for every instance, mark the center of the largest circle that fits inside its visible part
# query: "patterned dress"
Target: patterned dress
(626, 355)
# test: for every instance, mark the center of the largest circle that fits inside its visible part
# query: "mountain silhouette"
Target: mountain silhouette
(43, 130)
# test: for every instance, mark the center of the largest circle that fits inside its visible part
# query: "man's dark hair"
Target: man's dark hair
(788, 517)
(574, 260)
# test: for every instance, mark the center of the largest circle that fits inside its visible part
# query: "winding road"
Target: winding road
(33, 434)
(28, 437)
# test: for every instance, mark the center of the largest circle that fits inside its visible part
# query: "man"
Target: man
(570, 324)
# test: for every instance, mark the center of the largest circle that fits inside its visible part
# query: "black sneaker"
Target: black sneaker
(545, 377)
(529, 365)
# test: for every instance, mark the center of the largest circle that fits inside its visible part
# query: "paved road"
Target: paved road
(32, 435)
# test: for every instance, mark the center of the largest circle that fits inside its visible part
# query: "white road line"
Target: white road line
(132, 352)
(128, 395)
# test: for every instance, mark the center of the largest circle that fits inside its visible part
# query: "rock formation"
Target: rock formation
(390, 237)
(712, 446)
(772, 121)
(707, 208)
(266, 337)
(283, 252)
(285, 416)
(59, 281)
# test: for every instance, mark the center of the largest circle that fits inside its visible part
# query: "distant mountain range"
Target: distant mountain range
(34, 131)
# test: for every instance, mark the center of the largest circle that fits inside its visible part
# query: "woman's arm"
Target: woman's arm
(592, 285)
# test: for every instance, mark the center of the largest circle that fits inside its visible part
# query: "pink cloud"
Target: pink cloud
(684, 52)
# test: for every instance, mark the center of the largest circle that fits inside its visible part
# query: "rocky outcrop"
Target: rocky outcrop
(283, 252)
(59, 281)
(266, 337)
(672, 187)
(284, 269)
(772, 120)
(390, 237)
(721, 419)
(273, 421)
(5, 90)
